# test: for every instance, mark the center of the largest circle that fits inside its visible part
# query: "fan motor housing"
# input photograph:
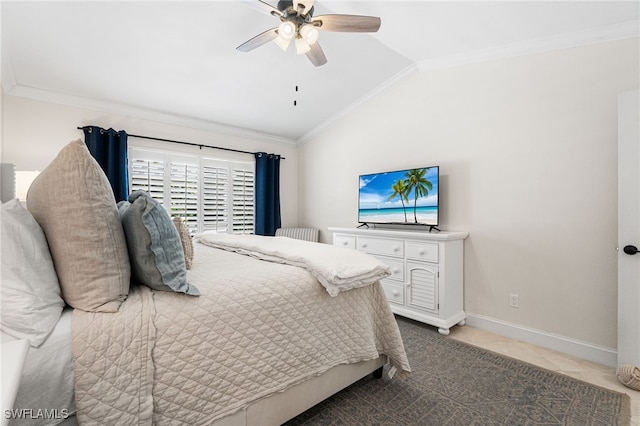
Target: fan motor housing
(287, 9)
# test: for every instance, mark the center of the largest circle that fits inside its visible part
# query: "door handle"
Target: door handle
(630, 250)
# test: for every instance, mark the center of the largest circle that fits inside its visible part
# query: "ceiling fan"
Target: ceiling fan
(297, 23)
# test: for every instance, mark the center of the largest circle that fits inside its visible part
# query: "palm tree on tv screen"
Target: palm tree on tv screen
(415, 179)
(400, 189)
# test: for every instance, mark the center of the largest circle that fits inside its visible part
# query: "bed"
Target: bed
(243, 338)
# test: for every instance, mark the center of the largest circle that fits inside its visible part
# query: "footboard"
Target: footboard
(282, 406)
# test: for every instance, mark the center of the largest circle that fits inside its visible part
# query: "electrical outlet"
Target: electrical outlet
(513, 301)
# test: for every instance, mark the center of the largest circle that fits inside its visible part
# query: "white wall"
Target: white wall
(527, 149)
(34, 132)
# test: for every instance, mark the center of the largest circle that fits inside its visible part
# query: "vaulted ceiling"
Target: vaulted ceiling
(179, 57)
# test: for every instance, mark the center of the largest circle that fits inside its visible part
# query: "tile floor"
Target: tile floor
(588, 371)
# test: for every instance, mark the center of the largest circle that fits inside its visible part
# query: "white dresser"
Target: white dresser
(427, 269)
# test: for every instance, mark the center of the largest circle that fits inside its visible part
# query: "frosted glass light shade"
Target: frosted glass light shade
(282, 43)
(301, 46)
(287, 30)
(309, 33)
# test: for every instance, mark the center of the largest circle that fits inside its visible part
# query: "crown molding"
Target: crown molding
(624, 30)
(620, 31)
(8, 77)
(140, 113)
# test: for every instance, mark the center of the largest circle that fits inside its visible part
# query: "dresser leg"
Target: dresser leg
(443, 331)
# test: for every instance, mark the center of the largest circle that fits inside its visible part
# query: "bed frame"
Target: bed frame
(282, 406)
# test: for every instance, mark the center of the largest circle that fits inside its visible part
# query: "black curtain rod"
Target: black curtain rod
(189, 143)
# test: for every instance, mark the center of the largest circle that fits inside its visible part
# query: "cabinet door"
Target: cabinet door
(422, 281)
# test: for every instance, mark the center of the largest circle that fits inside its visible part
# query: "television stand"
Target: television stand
(364, 224)
(427, 271)
(432, 227)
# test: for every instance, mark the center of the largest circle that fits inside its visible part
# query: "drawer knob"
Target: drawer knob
(396, 293)
(345, 243)
(395, 270)
(396, 249)
(364, 245)
(421, 252)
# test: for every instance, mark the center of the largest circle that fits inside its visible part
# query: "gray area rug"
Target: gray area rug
(453, 383)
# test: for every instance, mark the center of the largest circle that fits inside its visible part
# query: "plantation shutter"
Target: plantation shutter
(243, 196)
(183, 185)
(210, 195)
(147, 174)
(215, 197)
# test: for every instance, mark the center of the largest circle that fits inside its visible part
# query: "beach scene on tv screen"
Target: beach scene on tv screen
(405, 196)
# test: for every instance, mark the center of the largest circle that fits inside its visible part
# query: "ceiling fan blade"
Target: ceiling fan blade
(258, 40)
(316, 55)
(348, 23)
(305, 4)
(262, 6)
(268, 8)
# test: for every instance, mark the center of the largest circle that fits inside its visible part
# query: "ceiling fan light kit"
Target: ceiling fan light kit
(286, 30)
(302, 46)
(309, 34)
(298, 23)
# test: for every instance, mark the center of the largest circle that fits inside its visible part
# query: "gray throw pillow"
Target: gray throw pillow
(155, 250)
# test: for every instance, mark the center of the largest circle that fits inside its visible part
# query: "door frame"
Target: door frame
(628, 227)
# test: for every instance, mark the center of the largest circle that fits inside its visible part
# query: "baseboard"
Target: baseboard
(589, 351)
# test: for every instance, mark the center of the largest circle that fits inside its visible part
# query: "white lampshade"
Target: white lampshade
(286, 31)
(7, 182)
(282, 43)
(309, 33)
(24, 178)
(301, 46)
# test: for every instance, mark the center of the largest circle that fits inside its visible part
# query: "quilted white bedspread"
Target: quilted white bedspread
(258, 328)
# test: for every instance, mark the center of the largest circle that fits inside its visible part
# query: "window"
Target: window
(210, 194)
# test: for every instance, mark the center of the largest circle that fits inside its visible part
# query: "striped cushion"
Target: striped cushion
(308, 234)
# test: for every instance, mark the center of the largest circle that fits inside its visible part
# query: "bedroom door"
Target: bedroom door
(629, 228)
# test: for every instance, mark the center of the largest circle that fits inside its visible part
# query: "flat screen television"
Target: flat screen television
(400, 197)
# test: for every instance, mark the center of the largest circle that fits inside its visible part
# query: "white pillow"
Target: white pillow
(30, 293)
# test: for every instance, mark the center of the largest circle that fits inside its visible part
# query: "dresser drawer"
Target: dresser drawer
(383, 246)
(396, 267)
(347, 241)
(422, 251)
(393, 291)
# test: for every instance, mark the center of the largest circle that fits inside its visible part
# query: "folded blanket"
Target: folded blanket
(337, 268)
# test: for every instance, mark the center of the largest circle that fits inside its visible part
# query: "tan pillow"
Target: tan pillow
(185, 239)
(73, 202)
